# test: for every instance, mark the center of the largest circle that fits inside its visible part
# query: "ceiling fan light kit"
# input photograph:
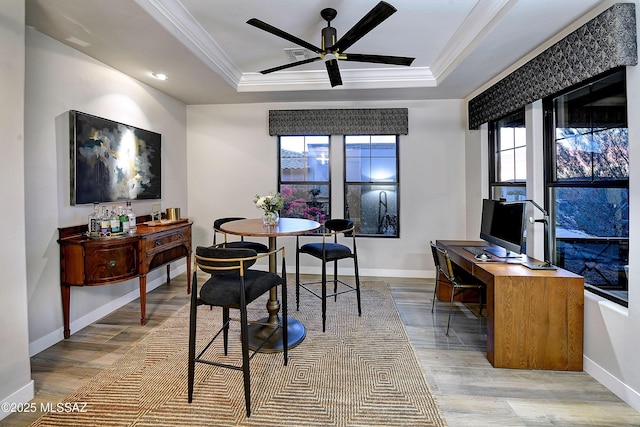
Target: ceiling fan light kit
(333, 49)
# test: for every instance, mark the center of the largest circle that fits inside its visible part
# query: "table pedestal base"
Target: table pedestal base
(285, 227)
(258, 332)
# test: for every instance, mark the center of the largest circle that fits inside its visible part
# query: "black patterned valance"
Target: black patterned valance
(604, 43)
(361, 121)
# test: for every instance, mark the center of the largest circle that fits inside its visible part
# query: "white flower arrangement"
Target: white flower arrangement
(271, 203)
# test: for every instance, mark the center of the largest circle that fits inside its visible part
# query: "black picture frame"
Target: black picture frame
(112, 161)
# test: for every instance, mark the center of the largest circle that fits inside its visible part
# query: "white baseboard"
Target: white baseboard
(48, 340)
(23, 395)
(620, 389)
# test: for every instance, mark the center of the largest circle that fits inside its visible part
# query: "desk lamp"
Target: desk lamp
(547, 249)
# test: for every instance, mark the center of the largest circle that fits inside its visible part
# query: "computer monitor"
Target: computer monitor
(503, 224)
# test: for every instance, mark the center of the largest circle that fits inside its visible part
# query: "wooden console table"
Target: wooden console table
(104, 261)
(535, 318)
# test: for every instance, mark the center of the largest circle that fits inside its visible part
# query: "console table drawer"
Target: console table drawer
(166, 241)
(109, 264)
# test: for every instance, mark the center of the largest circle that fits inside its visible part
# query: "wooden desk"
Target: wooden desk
(535, 318)
(285, 227)
(96, 262)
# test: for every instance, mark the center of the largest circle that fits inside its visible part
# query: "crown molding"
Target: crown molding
(177, 20)
(482, 19)
(373, 78)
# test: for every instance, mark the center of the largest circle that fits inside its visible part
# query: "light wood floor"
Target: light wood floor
(469, 391)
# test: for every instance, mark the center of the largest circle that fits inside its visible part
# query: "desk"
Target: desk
(285, 227)
(535, 318)
(104, 261)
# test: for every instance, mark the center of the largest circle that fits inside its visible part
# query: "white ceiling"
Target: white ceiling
(212, 56)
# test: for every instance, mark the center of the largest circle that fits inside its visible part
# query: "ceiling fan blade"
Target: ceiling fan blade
(334, 72)
(283, 34)
(293, 64)
(379, 59)
(379, 13)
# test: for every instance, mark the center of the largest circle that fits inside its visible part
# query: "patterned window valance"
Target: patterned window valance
(604, 43)
(374, 121)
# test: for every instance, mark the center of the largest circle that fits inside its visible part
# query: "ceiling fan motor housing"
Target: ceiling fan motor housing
(329, 37)
(329, 34)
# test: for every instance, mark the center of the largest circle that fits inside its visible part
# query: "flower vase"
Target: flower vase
(270, 218)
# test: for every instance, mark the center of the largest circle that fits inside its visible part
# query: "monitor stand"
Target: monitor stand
(501, 252)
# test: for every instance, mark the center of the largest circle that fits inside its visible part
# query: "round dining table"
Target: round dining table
(284, 227)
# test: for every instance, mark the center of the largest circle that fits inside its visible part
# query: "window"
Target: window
(508, 157)
(304, 179)
(588, 182)
(371, 184)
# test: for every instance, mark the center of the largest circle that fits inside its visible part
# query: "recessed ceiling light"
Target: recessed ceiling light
(160, 76)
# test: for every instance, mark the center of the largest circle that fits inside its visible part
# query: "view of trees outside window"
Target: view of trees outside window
(508, 171)
(589, 183)
(371, 184)
(304, 177)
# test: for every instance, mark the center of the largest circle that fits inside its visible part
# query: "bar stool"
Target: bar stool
(329, 250)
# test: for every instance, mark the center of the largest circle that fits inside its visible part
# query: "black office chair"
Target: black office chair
(232, 285)
(330, 251)
(241, 244)
(458, 282)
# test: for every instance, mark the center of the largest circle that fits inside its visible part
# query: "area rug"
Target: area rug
(362, 371)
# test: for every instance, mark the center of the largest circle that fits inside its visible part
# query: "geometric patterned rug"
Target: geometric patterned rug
(361, 372)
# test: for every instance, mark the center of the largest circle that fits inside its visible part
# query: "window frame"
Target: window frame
(281, 183)
(395, 183)
(552, 183)
(495, 185)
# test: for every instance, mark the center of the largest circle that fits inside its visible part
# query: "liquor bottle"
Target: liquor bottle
(94, 222)
(105, 224)
(115, 220)
(132, 218)
(124, 220)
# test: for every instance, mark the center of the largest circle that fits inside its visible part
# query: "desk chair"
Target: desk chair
(330, 251)
(241, 244)
(232, 285)
(444, 267)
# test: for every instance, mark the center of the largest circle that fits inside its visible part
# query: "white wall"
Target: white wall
(59, 79)
(231, 157)
(476, 181)
(15, 384)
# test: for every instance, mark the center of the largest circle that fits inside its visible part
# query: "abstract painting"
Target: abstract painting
(111, 161)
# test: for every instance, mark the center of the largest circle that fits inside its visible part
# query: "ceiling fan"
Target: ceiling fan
(332, 50)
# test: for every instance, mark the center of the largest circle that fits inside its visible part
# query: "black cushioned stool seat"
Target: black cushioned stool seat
(223, 290)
